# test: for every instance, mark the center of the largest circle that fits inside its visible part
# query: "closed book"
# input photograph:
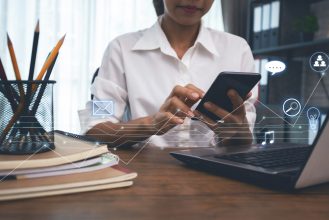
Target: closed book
(55, 185)
(67, 150)
(105, 160)
(67, 191)
(78, 164)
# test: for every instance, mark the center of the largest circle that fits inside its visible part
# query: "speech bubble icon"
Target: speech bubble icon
(275, 67)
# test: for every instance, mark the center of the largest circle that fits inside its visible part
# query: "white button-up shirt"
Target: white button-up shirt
(139, 70)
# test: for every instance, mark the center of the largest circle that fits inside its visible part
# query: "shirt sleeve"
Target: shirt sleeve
(109, 90)
(248, 65)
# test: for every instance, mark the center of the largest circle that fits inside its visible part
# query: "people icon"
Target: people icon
(318, 60)
(323, 63)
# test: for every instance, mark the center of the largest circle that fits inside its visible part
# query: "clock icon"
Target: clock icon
(291, 107)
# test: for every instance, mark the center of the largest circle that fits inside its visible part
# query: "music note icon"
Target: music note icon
(268, 138)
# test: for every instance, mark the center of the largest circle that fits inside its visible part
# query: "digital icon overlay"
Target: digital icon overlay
(268, 137)
(103, 108)
(313, 115)
(275, 67)
(291, 107)
(319, 62)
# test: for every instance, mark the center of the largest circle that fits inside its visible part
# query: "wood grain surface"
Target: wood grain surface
(166, 189)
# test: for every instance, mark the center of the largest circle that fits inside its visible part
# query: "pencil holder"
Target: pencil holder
(27, 119)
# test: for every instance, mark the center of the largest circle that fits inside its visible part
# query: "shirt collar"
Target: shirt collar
(205, 39)
(150, 38)
(154, 38)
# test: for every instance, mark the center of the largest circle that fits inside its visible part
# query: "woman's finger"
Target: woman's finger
(184, 93)
(196, 89)
(179, 108)
(191, 102)
(237, 102)
(221, 113)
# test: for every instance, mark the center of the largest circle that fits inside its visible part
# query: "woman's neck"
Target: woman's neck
(180, 37)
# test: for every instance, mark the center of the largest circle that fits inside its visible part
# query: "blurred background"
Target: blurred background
(289, 31)
(89, 26)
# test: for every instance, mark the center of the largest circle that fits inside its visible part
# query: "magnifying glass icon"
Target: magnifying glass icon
(291, 107)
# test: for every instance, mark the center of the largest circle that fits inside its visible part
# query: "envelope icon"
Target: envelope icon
(103, 108)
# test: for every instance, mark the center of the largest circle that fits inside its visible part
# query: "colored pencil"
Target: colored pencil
(34, 109)
(50, 59)
(7, 88)
(29, 95)
(15, 66)
(34, 51)
(21, 104)
(13, 58)
(50, 69)
(47, 67)
(3, 75)
(16, 70)
(43, 87)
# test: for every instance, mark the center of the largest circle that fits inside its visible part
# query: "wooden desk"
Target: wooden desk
(165, 189)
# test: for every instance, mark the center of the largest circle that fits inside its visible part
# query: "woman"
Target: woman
(156, 75)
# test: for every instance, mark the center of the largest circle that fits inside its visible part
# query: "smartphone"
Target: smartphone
(241, 82)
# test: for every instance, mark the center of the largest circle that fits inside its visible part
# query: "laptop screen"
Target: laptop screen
(293, 104)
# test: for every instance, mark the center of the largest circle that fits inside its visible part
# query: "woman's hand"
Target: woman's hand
(233, 128)
(176, 108)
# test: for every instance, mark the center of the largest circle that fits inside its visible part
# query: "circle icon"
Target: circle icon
(319, 62)
(291, 107)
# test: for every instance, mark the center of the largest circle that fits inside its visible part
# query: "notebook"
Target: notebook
(74, 165)
(106, 160)
(68, 149)
(111, 177)
(66, 191)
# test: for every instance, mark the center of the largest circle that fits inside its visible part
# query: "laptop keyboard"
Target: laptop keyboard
(270, 158)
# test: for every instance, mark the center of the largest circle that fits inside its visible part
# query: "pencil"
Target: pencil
(7, 87)
(3, 75)
(21, 104)
(43, 87)
(39, 97)
(50, 69)
(13, 58)
(50, 59)
(34, 51)
(32, 66)
(15, 66)
(14, 118)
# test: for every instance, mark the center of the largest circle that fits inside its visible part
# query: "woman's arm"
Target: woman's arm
(173, 112)
(123, 134)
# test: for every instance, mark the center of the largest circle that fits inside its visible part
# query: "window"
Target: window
(89, 26)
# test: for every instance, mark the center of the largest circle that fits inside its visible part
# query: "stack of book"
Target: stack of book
(74, 166)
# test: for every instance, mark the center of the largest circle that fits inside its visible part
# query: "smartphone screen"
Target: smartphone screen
(217, 93)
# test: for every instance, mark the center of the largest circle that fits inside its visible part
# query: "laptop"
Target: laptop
(284, 166)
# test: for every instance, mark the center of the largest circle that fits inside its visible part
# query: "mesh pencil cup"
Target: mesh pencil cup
(27, 118)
